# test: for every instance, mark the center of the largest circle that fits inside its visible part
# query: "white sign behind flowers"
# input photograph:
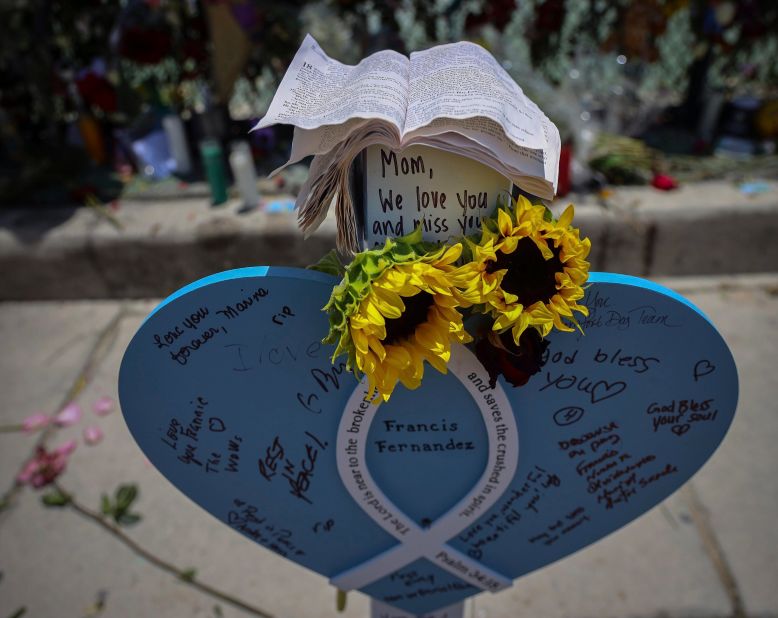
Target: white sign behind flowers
(446, 194)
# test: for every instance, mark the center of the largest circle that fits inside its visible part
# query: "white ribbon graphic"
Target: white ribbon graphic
(430, 543)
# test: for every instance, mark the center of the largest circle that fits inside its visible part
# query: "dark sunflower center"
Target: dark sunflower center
(416, 308)
(529, 276)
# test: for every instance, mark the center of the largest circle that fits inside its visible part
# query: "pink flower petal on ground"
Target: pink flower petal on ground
(69, 415)
(29, 469)
(35, 421)
(103, 406)
(93, 435)
(66, 449)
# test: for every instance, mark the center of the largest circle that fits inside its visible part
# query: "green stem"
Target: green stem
(181, 574)
(11, 428)
(340, 600)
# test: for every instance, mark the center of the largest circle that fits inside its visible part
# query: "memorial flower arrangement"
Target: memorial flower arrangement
(405, 303)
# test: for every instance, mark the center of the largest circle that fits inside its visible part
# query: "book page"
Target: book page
(456, 143)
(552, 151)
(319, 141)
(323, 139)
(328, 185)
(489, 134)
(317, 90)
(463, 80)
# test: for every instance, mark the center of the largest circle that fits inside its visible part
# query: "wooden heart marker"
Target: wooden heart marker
(442, 492)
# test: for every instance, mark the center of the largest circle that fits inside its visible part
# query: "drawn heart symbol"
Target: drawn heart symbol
(602, 390)
(703, 368)
(444, 491)
(679, 430)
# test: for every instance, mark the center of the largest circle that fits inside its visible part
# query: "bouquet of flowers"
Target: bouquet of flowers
(504, 290)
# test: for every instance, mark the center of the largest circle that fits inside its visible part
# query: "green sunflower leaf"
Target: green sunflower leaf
(402, 252)
(413, 238)
(330, 264)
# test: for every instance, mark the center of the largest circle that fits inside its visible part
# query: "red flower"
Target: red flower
(145, 45)
(97, 92)
(45, 466)
(517, 364)
(663, 182)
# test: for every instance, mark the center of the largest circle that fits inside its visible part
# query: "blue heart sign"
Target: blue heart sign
(442, 492)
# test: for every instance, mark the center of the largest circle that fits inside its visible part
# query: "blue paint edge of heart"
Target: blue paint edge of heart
(312, 275)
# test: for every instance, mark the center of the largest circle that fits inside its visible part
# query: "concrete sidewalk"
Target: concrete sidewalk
(710, 551)
(151, 248)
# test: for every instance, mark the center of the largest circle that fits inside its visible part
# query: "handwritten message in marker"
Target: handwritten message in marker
(446, 194)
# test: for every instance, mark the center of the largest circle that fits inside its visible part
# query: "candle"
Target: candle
(176, 137)
(211, 153)
(242, 165)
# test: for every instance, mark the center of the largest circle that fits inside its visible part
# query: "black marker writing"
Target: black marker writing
(285, 313)
(703, 368)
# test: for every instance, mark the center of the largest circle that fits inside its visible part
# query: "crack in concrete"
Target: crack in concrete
(715, 551)
(93, 258)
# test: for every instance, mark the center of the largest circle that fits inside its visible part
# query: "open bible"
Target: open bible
(454, 97)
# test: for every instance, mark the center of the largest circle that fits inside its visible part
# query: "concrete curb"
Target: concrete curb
(47, 254)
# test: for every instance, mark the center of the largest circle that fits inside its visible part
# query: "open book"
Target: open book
(453, 97)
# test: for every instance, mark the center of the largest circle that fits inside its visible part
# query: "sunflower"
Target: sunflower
(527, 270)
(394, 309)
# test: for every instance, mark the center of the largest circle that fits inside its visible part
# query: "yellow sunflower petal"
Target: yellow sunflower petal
(542, 245)
(504, 223)
(388, 302)
(567, 217)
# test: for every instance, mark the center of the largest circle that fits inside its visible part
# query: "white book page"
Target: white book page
(463, 80)
(458, 144)
(487, 133)
(320, 141)
(328, 184)
(317, 90)
(552, 152)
